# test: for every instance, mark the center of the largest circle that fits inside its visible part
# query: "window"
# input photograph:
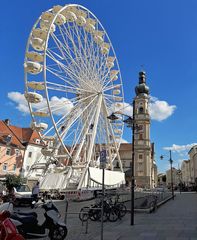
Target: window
(140, 167)
(17, 151)
(140, 136)
(30, 154)
(14, 167)
(140, 156)
(141, 109)
(8, 151)
(5, 166)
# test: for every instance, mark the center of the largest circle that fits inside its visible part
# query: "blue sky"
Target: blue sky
(160, 35)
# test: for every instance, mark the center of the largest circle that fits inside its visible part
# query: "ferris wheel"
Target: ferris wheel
(72, 84)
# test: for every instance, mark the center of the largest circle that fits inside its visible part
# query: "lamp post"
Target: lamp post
(171, 171)
(180, 181)
(130, 121)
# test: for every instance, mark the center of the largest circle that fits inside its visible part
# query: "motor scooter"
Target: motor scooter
(27, 223)
(8, 230)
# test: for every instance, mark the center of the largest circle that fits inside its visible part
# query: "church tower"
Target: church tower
(142, 144)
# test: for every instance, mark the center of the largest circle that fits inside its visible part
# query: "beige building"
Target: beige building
(185, 172)
(161, 180)
(144, 164)
(175, 177)
(193, 163)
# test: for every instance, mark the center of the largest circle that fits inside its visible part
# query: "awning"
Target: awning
(111, 177)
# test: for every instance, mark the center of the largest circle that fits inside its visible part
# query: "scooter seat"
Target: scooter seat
(27, 214)
(25, 219)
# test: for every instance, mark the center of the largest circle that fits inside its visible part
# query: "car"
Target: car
(23, 195)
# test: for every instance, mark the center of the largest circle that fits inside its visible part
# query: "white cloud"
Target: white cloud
(123, 140)
(180, 148)
(59, 106)
(160, 110)
(124, 108)
(20, 100)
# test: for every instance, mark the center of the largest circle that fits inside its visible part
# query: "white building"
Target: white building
(185, 172)
(193, 163)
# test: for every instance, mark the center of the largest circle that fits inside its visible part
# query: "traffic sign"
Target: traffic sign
(103, 159)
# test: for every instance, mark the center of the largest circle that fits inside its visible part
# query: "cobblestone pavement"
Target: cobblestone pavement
(176, 219)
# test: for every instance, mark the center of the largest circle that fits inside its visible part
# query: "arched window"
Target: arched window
(141, 109)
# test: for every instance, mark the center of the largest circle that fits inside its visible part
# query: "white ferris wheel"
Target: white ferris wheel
(72, 84)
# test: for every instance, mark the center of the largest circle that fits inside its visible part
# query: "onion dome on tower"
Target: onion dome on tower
(142, 88)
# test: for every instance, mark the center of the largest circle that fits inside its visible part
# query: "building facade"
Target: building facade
(144, 151)
(185, 172)
(175, 177)
(193, 164)
(19, 149)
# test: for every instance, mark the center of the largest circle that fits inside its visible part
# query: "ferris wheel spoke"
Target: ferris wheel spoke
(67, 69)
(88, 70)
(76, 48)
(63, 49)
(75, 56)
(74, 115)
(119, 86)
(66, 79)
(84, 131)
(66, 88)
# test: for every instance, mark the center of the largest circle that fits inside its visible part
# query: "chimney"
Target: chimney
(7, 121)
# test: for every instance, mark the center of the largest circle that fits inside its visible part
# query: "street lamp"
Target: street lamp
(130, 121)
(179, 173)
(171, 161)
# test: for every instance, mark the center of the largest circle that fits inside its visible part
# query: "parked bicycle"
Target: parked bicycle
(112, 210)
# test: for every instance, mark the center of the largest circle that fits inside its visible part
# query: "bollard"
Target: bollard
(87, 226)
(66, 211)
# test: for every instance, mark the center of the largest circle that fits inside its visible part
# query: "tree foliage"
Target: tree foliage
(13, 181)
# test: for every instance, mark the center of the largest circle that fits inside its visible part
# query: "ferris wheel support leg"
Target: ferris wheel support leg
(92, 141)
(117, 152)
(82, 142)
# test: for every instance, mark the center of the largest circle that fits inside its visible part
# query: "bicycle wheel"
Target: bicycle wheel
(84, 214)
(95, 213)
(113, 215)
(122, 210)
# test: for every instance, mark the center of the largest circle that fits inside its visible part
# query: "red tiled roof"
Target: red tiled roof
(20, 136)
(4, 132)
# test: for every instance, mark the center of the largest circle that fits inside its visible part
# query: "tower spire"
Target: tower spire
(142, 88)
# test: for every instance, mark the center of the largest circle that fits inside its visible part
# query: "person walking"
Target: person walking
(35, 192)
